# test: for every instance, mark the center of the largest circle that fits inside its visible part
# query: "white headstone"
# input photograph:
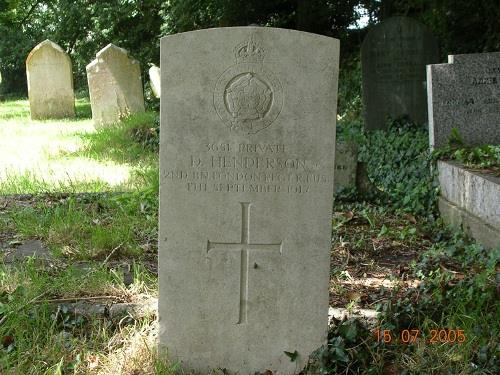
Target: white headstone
(155, 80)
(465, 94)
(115, 85)
(246, 161)
(50, 82)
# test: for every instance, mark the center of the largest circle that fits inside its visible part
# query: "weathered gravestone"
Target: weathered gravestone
(247, 149)
(465, 94)
(346, 161)
(393, 59)
(115, 85)
(155, 80)
(50, 82)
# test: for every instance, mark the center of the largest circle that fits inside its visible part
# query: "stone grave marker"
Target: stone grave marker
(247, 154)
(115, 85)
(155, 80)
(393, 59)
(346, 161)
(50, 82)
(465, 94)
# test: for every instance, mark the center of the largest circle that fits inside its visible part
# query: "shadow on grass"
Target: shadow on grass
(14, 108)
(123, 142)
(20, 108)
(83, 109)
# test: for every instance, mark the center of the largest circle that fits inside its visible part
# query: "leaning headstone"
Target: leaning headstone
(155, 80)
(393, 59)
(115, 85)
(247, 149)
(465, 95)
(346, 161)
(50, 82)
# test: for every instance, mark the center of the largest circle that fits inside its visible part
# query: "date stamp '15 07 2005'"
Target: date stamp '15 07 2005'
(409, 336)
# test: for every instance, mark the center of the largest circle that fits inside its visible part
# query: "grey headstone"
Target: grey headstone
(50, 82)
(346, 161)
(393, 58)
(465, 94)
(115, 85)
(155, 80)
(246, 161)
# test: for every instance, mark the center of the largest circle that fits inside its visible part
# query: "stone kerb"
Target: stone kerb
(115, 85)
(470, 200)
(50, 82)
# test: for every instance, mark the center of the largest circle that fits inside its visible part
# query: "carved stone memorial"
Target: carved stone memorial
(246, 159)
(155, 80)
(115, 85)
(465, 94)
(393, 59)
(50, 82)
(346, 161)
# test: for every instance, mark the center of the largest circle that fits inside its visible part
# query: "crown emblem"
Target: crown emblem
(248, 97)
(249, 51)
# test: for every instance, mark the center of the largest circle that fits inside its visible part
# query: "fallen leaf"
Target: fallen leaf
(354, 296)
(411, 218)
(67, 250)
(7, 340)
(349, 215)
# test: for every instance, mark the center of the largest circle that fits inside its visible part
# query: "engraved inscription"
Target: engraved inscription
(244, 247)
(484, 80)
(247, 97)
(249, 168)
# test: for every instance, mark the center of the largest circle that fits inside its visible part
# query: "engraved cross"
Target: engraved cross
(244, 246)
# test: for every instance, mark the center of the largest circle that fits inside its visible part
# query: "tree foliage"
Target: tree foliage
(83, 27)
(80, 27)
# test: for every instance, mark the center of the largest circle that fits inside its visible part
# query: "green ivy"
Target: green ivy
(480, 157)
(399, 164)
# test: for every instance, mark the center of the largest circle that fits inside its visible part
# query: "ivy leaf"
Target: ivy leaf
(293, 356)
(341, 355)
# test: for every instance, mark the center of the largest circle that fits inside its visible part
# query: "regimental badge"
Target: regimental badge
(247, 97)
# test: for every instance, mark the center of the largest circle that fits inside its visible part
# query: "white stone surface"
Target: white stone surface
(50, 82)
(476, 193)
(115, 85)
(246, 160)
(475, 227)
(155, 80)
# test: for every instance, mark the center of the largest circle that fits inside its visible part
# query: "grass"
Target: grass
(41, 337)
(68, 155)
(92, 234)
(96, 202)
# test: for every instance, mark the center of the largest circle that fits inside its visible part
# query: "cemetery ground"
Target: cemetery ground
(78, 283)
